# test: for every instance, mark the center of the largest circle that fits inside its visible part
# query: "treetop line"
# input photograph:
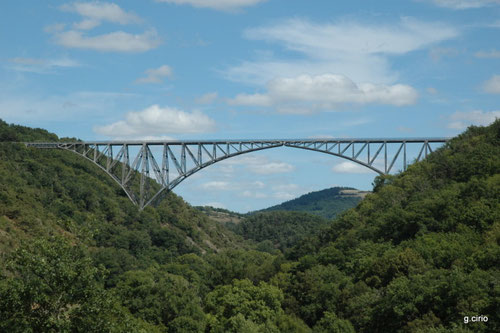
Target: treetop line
(125, 160)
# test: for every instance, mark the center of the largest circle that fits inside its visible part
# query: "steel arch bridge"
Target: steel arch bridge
(125, 160)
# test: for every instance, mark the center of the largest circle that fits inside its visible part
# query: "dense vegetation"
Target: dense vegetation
(418, 255)
(326, 203)
(278, 229)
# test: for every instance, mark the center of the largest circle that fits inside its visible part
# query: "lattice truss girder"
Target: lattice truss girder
(148, 170)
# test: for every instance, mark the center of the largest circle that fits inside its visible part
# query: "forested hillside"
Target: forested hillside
(278, 229)
(419, 254)
(326, 203)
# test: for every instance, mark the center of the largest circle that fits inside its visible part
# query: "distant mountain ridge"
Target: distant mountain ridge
(326, 203)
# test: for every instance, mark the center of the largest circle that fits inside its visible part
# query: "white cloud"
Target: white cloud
(94, 13)
(328, 40)
(305, 94)
(492, 86)
(224, 5)
(465, 4)
(117, 41)
(339, 63)
(359, 68)
(216, 186)
(77, 106)
(41, 66)
(259, 164)
(460, 120)
(356, 50)
(253, 194)
(155, 120)
(350, 167)
(271, 168)
(251, 99)
(207, 98)
(156, 75)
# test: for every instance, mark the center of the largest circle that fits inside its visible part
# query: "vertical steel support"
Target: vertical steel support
(404, 155)
(199, 154)
(125, 163)
(143, 176)
(183, 158)
(385, 156)
(368, 152)
(164, 165)
(109, 157)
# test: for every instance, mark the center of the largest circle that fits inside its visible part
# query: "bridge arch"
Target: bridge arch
(189, 157)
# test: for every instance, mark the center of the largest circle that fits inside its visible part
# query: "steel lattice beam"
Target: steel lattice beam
(188, 157)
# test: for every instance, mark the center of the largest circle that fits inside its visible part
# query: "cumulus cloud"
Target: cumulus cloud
(492, 86)
(156, 121)
(224, 5)
(460, 120)
(94, 13)
(350, 167)
(156, 75)
(306, 94)
(344, 62)
(117, 41)
(465, 4)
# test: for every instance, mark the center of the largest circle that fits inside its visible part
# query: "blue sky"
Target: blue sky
(246, 69)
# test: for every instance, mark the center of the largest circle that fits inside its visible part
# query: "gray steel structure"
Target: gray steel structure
(188, 157)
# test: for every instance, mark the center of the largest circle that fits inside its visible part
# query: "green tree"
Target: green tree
(242, 306)
(52, 286)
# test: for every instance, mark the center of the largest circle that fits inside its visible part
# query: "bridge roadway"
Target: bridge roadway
(189, 156)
